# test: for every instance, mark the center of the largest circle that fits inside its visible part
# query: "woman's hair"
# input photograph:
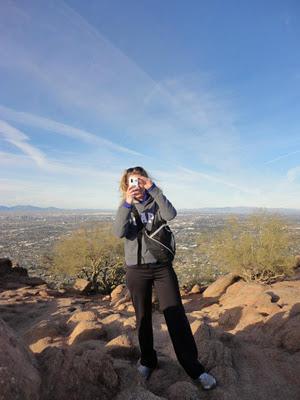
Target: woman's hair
(124, 178)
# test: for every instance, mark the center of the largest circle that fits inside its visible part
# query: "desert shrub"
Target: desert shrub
(91, 252)
(193, 266)
(200, 273)
(258, 248)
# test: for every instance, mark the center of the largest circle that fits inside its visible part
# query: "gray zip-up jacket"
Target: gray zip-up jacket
(154, 208)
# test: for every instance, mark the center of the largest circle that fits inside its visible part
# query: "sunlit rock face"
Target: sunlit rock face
(54, 343)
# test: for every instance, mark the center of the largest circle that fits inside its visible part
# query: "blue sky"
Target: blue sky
(205, 95)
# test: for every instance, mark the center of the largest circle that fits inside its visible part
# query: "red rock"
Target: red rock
(19, 375)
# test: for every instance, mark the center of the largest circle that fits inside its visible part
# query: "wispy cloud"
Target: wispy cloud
(221, 181)
(15, 160)
(282, 156)
(63, 129)
(293, 173)
(101, 83)
(20, 140)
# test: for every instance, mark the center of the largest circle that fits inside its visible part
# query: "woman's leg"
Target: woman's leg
(139, 283)
(167, 287)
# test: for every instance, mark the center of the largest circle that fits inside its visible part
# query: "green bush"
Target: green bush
(91, 252)
(258, 248)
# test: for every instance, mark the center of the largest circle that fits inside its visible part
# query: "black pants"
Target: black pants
(139, 281)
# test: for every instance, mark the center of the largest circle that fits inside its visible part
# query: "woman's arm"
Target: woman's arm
(167, 210)
(121, 225)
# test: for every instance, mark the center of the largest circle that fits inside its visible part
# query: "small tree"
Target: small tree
(258, 249)
(92, 252)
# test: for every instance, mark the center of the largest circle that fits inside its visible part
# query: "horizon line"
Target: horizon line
(110, 209)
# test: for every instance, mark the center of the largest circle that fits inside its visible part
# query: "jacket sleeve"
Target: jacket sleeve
(121, 225)
(166, 208)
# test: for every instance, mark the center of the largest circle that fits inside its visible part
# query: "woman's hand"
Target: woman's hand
(131, 192)
(147, 183)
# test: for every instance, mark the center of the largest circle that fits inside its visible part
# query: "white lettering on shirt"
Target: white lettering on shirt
(147, 217)
(144, 218)
(150, 217)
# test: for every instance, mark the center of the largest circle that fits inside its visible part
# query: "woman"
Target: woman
(143, 270)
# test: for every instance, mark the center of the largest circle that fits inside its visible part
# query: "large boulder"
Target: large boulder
(119, 295)
(183, 390)
(82, 286)
(8, 267)
(196, 289)
(138, 393)
(78, 372)
(5, 266)
(19, 376)
(45, 332)
(289, 337)
(217, 288)
(262, 314)
(214, 353)
(79, 316)
(122, 346)
(86, 330)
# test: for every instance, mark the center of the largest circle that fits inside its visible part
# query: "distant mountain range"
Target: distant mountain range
(30, 208)
(214, 210)
(242, 210)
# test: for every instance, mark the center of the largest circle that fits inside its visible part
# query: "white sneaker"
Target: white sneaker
(207, 381)
(143, 370)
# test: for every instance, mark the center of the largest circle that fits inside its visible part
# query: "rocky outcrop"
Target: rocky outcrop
(82, 286)
(5, 266)
(77, 372)
(196, 289)
(220, 285)
(119, 295)
(19, 376)
(12, 276)
(65, 345)
(86, 330)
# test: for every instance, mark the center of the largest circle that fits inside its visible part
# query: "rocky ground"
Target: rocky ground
(62, 345)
